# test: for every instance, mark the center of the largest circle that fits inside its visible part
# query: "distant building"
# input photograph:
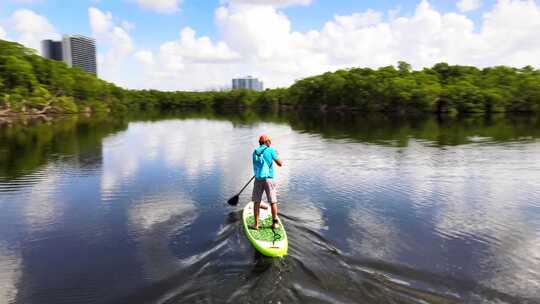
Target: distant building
(80, 51)
(76, 51)
(248, 83)
(52, 50)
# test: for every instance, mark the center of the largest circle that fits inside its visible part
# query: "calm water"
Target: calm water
(378, 210)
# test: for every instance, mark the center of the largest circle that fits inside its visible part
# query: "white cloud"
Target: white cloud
(357, 20)
(277, 3)
(161, 6)
(506, 36)
(31, 28)
(106, 32)
(191, 57)
(259, 40)
(115, 40)
(144, 57)
(259, 31)
(256, 37)
(468, 5)
(198, 50)
(509, 34)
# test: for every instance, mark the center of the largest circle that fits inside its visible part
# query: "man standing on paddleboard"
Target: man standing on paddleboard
(263, 168)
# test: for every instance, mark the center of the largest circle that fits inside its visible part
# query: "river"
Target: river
(377, 209)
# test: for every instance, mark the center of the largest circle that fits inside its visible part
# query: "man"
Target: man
(263, 160)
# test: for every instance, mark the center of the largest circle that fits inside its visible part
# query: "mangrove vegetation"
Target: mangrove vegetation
(32, 84)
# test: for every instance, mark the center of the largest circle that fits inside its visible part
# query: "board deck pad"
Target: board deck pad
(265, 233)
(269, 242)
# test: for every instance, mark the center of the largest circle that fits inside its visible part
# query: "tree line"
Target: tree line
(32, 84)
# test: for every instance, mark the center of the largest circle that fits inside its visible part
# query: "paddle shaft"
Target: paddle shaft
(246, 185)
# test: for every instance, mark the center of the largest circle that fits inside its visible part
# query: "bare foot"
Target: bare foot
(254, 227)
(275, 224)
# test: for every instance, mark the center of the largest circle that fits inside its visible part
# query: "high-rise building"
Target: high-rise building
(248, 83)
(80, 51)
(52, 50)
(76, 51)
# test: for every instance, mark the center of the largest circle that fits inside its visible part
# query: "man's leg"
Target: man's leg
(256, 198)
(256, 211)
(271, 195)
(274, 212)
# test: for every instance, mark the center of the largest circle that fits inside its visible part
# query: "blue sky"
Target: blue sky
(72, 16)
(276, 40)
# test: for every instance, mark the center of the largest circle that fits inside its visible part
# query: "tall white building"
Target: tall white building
(80, 51)
(248, 83)
(76, 51)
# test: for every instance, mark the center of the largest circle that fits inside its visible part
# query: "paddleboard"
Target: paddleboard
(272, 243)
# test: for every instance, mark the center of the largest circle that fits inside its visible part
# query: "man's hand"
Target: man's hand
(278, 160)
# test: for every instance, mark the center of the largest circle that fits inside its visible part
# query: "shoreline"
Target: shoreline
(7, 117)
(5, 114)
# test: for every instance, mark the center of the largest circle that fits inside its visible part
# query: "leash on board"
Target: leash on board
(277, 236)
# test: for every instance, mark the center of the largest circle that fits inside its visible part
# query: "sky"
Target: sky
(203, 44)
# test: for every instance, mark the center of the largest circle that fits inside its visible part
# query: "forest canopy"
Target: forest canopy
(32, 84)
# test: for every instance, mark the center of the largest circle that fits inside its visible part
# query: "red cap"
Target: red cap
(263, 138)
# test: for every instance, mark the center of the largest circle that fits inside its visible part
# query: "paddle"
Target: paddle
(233, 201)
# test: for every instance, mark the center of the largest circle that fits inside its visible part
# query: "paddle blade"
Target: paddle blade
(233, 201)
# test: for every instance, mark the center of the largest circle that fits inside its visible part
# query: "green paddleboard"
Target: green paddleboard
(272, 243)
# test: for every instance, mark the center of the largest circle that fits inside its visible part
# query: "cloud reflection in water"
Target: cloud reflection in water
(10, 265)
(153, 220)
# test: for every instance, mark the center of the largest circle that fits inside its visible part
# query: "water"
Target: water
(377, 210)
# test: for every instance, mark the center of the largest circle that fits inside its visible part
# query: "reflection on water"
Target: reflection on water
(153, 222)
(10, 265)
(378, 209)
